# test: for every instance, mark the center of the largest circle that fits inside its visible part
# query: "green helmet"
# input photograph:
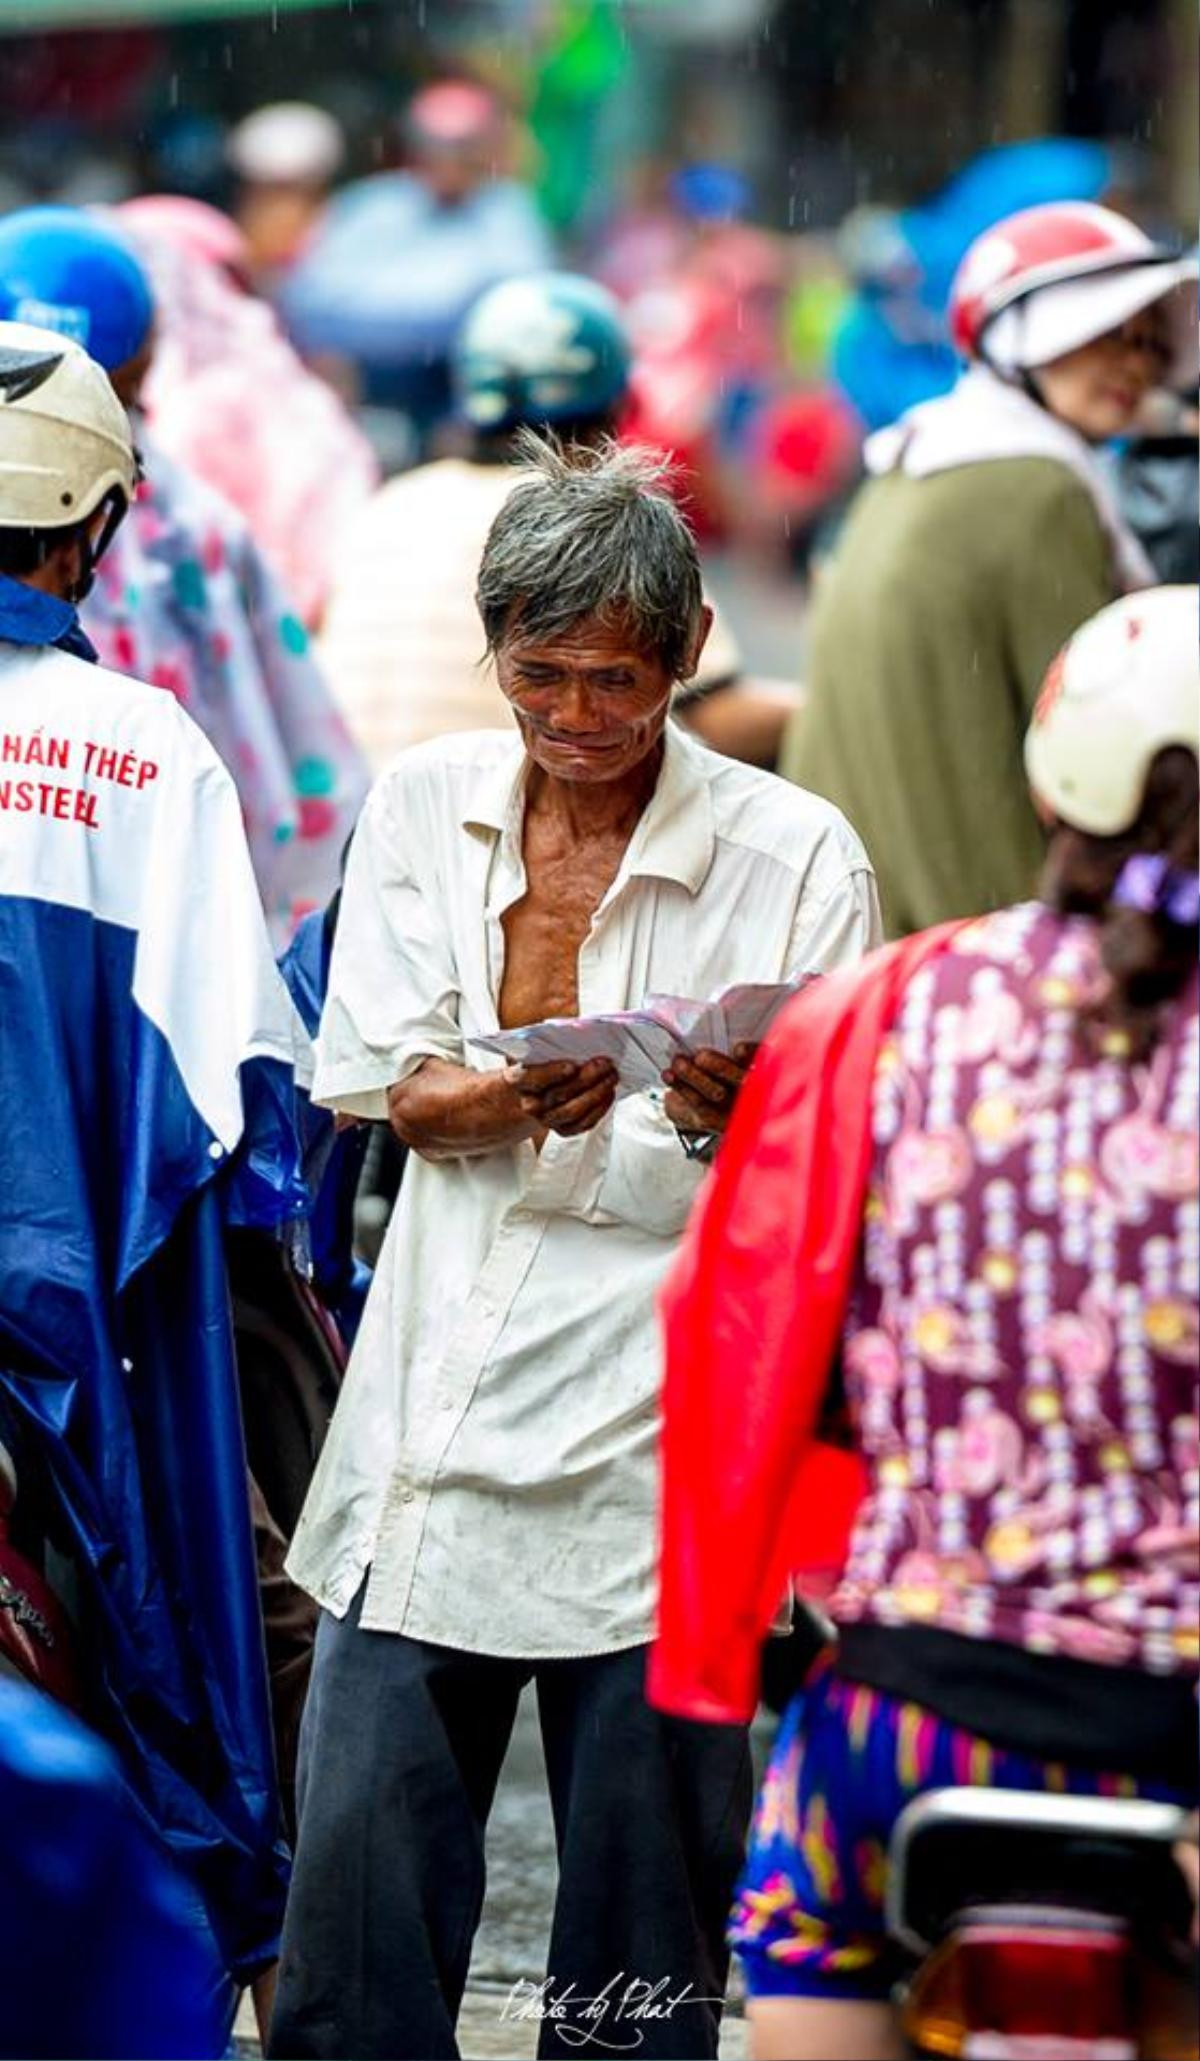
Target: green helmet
(547, 348)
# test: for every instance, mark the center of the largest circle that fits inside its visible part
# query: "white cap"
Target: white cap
(1052, 320)
(65, 441)
(1124, 688)
(289, 141)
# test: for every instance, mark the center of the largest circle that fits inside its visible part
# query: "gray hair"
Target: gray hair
(592, 531)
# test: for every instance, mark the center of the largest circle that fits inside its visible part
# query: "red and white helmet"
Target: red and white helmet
(1125, 687)
(1050, 279)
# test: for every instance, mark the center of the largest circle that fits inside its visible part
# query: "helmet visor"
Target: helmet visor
(1053, 320)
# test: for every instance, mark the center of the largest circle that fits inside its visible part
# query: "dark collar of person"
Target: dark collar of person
(27, 616)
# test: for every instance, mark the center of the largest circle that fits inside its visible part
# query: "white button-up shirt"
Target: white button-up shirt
(492, 1456)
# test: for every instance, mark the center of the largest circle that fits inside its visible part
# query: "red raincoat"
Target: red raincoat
(754, 1308)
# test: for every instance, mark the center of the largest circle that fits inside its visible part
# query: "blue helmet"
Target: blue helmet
(550, 347)
(61, 269)
(711, 193)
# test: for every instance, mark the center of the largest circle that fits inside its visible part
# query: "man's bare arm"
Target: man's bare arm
(445, 1111)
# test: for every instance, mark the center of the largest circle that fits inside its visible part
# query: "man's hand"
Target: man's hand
(703, 1088)
(565, 1098)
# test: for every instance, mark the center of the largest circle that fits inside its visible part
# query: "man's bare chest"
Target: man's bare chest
(545, 930)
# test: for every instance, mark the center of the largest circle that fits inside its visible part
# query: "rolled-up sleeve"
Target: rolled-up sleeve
(393, 998)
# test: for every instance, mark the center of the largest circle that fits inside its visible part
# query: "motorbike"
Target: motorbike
(1042, 1928)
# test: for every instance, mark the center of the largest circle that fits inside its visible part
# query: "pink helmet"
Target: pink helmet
(1052, 278)
(451, 115)
(193, 227)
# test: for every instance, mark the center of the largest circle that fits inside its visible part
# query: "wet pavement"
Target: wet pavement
(515, 1928)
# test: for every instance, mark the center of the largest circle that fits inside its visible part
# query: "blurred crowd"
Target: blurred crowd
(761, 356)
(308, 342)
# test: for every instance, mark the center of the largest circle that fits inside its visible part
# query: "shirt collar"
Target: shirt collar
(28, 616)
(674, 839)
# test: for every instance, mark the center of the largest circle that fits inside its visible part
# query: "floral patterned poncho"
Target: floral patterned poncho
(184, 599)
(1006, 1235)
(1021, 1348)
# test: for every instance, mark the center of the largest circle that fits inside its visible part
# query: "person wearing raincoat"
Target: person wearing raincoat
(103, 1957)
(229, 397)
(931, 1350)
(986, 534)
(184, 598)
(148, 1059)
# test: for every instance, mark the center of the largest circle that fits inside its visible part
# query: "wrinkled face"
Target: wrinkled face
(1099, 388)
(590, 705)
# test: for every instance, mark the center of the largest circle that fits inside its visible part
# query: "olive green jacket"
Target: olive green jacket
(929, 636)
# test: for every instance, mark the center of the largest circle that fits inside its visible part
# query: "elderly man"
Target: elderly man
(484, 1511)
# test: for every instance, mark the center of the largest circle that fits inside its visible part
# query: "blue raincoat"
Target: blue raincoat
(333, 1161)
(147, 1049)
(102, 1958)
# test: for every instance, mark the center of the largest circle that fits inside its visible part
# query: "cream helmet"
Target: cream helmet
(66, 448)
(1124, 688)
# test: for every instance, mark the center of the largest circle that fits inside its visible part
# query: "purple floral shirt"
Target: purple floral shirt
(1021, 1359)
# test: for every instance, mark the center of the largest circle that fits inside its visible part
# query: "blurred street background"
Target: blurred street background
(816, 171)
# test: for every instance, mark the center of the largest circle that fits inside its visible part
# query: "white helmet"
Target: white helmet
(1125, 687)
(65, 441)
(289, 141)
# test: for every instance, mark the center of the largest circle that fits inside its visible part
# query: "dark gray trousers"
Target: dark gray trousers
(401, 1750)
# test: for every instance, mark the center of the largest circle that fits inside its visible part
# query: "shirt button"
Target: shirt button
(406, 1496)
(446, 1403)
